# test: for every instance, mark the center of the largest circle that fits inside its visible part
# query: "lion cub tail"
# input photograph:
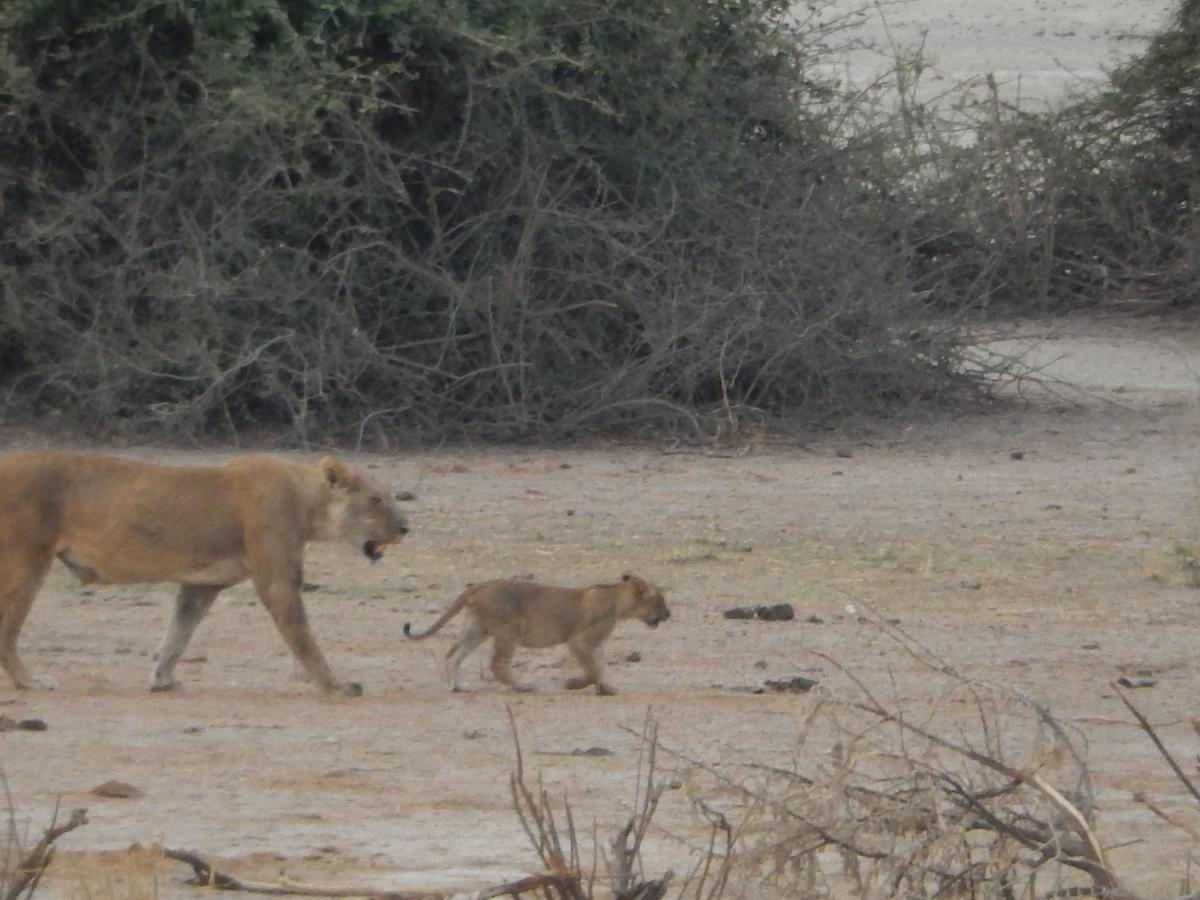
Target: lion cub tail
(455, 608)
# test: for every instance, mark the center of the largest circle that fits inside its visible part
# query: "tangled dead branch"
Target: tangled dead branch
(981, 794)
(29, 867)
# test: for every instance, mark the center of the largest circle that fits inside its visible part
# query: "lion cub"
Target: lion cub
(528, 614)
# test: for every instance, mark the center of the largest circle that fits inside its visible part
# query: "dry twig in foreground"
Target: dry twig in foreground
(34, 864)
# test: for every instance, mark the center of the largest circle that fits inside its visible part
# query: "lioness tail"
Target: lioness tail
(454, 609)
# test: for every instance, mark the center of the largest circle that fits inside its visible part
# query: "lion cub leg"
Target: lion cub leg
(502, 654)
(588, 655)
(473, 635)
(191, 605)
(17, 590)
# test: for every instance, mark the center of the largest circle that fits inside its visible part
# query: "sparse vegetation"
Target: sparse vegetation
(432, 220)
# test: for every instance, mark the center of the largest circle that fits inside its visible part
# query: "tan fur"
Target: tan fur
(527, 614)
(121, 521)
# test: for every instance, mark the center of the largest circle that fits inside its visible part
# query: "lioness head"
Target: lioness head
(360, 512)
(649, 604)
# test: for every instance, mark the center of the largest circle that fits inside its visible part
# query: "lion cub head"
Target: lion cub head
(649, 605)
(360, 512)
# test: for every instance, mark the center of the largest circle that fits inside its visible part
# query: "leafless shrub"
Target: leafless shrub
(558, 846)
(980, 793)
(399, 225)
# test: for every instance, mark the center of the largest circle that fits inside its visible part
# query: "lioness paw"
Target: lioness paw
(159, 683)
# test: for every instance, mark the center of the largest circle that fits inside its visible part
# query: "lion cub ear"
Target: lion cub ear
(336, 472)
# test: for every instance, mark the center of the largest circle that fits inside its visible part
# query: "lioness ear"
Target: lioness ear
(335, 471)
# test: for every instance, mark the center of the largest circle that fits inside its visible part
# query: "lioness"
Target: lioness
(119, 521)
(524, 613)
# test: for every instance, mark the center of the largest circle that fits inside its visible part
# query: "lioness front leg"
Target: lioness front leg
(18, 587)
(593, 667)
(287, 611)
(191, 605)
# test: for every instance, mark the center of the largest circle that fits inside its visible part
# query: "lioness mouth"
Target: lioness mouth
(373, 550)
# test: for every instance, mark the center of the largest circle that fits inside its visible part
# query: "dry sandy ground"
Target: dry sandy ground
(1050, 574)
(1038, 50)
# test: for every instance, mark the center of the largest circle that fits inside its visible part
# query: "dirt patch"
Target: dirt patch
(1037, 51)
(1038, 547)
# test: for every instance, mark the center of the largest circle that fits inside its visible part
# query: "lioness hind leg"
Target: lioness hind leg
(191, 605)
(17, 590)
(473, 635)
(593, 667)
(502, 655)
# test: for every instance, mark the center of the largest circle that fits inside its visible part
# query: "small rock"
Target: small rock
(1017, 454)
(634, 657)
(1052, 506)
(797, 684)
(778, 612)
(564, 465)
(1090, 646)
(116, 789)
(1137, 681)
(815, 620)
(192, 729)
(740, 612)
(9, 724)
(405, 496)
(843, 453)
(473, 735)
(970, 585)
(761, 664)
(309, 586)
(570, 512)
(592, 751)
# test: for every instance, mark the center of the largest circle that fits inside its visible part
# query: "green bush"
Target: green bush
(1082, 205)
(415, 220)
